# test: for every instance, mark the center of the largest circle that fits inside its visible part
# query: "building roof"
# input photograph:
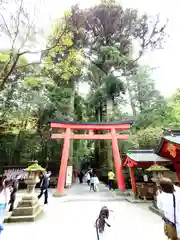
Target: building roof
(172, 139)
(167, 132)
(145, 156)
(171, 135)
(93, 123)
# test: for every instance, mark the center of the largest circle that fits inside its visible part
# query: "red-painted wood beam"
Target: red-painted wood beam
(91, 136)
(133, 180)
(90, 126)
(129, 162)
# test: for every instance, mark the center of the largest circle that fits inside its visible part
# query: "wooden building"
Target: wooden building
(143, 159)
(169, 148)
(167, 153)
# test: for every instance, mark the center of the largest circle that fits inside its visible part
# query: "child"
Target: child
(96, 183)
(92, 184)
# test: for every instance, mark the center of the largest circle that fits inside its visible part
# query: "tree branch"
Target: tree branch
(19, 54)
(9, 72)
(147, 42)
(6, 26)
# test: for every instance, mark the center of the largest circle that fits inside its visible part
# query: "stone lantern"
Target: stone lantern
(158, 172)
(28, 208)
(33, 177)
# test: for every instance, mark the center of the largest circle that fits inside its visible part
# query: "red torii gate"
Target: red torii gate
(68, 135)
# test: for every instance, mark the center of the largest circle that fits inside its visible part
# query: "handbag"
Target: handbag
(170, 227)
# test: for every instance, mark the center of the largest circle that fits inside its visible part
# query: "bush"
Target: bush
(147, 138)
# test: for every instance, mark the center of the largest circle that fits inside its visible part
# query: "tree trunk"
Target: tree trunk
(133, 107)
(18, 143)
(109, 142)
(97, 142)
(70, 162)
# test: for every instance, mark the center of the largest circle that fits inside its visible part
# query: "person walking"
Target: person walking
(92, 184)
(87, 178)
(14, 186)
(111, 177)
(96, 183)
(168, 201)
(44, 184)
(81, 175)
(4, 200)
(91, 172)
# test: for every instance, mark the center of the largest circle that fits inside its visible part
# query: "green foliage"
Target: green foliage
(113, 87)
(149, 107)
(4, 57)
(147, 138)
(63, 62)
(175, 104)
(87, 45)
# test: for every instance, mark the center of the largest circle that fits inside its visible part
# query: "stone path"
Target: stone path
(72, 217)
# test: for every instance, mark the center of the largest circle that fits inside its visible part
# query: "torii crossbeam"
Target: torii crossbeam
(68, 135)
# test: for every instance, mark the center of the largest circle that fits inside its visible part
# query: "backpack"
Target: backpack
(44, 182)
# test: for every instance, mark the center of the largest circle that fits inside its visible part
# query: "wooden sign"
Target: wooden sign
(172, 150)
(11, 173)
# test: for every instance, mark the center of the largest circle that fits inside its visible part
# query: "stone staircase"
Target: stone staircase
(27, 210)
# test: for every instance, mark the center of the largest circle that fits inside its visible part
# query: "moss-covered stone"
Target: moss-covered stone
(34, 168)
(157, 168)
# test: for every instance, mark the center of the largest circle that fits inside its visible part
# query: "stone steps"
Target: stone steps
(28, 218)
(27, 210)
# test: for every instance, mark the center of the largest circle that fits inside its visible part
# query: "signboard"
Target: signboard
(69, 176)
(11, 172)
(171, 149)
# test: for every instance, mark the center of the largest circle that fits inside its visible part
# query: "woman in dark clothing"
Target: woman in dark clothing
(15, 186)
(44, 186)
(81, 175)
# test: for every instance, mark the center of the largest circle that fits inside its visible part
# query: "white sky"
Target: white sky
(166, 61)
